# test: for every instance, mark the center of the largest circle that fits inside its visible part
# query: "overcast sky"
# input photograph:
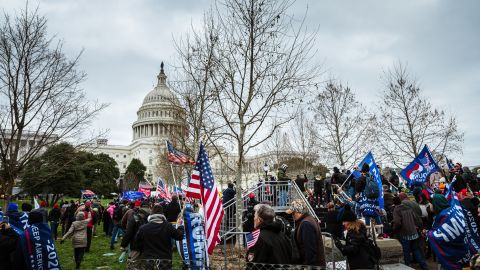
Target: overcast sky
(125, 41)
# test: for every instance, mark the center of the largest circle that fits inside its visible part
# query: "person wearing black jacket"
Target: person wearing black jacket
(318, 185)
(173, 209)
(362, 180)
(394, 180)
(138, 218)
(334, 224)
(355, 242)
(227, 200)
(54, 219)
(8, 245)
(300, 181)
(272, 246)
(153, 239)
(337, 177)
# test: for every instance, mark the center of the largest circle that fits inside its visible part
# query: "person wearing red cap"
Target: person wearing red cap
(139, 217)
(54, 219)
(89, 214)
(42, 210)
(248, 226)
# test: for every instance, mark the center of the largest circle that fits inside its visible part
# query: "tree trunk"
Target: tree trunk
(238, 178)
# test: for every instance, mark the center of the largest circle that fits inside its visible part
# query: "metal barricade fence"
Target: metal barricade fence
(153, 264)
(277, 193)
(172, 265)
(233, 255)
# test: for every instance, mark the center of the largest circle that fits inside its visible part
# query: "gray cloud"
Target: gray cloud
(125, 41)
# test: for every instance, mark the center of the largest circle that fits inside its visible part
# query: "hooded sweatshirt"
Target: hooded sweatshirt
(153, 239)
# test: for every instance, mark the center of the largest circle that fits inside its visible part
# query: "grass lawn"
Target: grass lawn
(99, 256)
(95, 259)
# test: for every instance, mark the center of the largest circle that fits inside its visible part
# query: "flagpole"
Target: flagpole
(171, 166)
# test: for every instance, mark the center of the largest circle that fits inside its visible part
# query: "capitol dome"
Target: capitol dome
(160, 116)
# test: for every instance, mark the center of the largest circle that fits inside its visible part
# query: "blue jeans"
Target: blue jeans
(53, 228)
(117, 230)
(283, 198)
(411, 246)
(378, 220)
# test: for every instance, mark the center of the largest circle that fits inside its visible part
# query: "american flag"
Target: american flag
(251, 238)
(202, 186)
(162, 190)
(178, 157)
(193, 190)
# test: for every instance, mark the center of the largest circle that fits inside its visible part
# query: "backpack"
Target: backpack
(118, 213)
(289, 233)
(371, 188)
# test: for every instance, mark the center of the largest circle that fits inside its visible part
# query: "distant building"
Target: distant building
(30, 139)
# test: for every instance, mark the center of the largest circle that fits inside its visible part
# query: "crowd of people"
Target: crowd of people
(346, 203)
(351, 205)
(146, 227)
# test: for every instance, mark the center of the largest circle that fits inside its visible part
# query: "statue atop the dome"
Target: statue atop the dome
(162, 78)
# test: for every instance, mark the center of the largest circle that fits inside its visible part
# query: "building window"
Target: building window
(150, 162)
(124, 156)
(124, 166)
(116, 155)
(151, 151)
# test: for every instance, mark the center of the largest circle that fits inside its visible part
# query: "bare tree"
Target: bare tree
(343, 125)
(280, 146)
(41, 102)
(264, 68)
(196, 52)
(407, 121)
(305, 139)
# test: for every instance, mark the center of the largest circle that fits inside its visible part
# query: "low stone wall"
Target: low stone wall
(391, 251)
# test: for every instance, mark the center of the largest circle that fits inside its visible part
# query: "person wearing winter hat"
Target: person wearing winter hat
(42, 210)
(353, 249)
(78, 232)
(16, 218)
(307, 235)
(54, 219)
(439, 203)
(362, 180)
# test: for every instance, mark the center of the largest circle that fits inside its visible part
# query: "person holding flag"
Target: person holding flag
(454, 237)
(268, 244)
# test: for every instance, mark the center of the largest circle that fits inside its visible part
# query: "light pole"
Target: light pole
(266, 169)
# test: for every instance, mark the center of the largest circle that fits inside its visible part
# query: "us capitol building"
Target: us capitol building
(158, 119)
(161, 118)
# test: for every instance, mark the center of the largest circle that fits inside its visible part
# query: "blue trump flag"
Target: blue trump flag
(454, 235)
(192, 246)
(132, 195)
(375, 174)
(40, 248)
(418, 171)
